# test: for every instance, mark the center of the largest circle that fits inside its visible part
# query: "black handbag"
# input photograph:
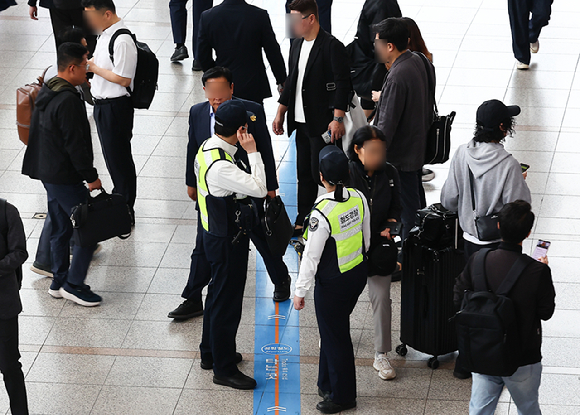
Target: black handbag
(277, 226)
(438, 227)
(486, 226)
(102, 217)
(383, 257)
(439, 134)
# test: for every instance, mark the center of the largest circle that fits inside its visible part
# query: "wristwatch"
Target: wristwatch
(339, 119)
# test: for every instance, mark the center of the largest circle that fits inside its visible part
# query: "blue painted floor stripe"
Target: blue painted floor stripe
(277, 328)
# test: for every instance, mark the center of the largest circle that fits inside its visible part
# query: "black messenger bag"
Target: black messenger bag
(277, 226)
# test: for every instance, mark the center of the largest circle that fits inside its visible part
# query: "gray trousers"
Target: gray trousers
(380, 296)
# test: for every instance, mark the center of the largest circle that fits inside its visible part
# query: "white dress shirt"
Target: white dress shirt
(225, 178)
(317, 240)
(211, 120)
(302, 61)
(125, 56)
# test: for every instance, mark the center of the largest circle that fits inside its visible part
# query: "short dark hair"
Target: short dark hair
(497, 135)
(366, 133)
(70, 54)
(217, 72)
(101, 5)
(305, 7)
(515, 221)
(395, 31)
(225, 131)
(72, 35)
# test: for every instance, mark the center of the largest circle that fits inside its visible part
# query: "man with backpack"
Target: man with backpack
(12, 256)
(504, 295)
(111, 86)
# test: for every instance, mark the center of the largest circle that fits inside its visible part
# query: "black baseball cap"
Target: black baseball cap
(492, 113)
(232, 114)
(333, 164)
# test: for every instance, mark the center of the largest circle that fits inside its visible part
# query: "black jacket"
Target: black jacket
(383, 192)
(533, 295)
(12, 256)
(58, 4)
(238, 32)
(59, 146)
(328, 63)
(405, 111)
(199, 131)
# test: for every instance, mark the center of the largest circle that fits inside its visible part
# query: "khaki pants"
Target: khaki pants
(380, 296)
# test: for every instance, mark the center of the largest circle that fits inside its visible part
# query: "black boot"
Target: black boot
(186, 310)
(329, 407)
(282, 291)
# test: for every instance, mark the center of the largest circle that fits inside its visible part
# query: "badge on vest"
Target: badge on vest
(313, 224)
(349, 218)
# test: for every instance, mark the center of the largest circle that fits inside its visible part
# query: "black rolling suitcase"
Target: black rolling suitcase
(432, 259)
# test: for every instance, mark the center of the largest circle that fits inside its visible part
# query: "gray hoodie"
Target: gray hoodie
(498, 180)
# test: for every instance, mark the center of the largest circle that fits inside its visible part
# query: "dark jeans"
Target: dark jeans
(200, 270)
(114, 119)
(223, 304)
(43, 250)
(63, 19)
(178, 13)
(412, 199)
(61, 199)
(524, 29)
(307, 150)
(11, 367)
(335, 298)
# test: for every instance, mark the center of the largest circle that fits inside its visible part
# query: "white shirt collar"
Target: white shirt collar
(113, 28)
(215, 142)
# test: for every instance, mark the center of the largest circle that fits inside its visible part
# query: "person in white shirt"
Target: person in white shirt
(111, 88)
(337, 240)
(222, 191)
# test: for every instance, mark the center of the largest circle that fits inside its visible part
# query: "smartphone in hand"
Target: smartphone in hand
(327, 137)
(395, 228)
(541, 249)
(525, 167)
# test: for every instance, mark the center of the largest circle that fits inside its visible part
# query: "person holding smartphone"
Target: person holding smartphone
(378, 180)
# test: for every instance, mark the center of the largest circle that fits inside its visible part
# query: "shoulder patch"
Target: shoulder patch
(313, 226)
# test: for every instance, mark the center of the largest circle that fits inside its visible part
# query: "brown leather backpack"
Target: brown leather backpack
(25, 98)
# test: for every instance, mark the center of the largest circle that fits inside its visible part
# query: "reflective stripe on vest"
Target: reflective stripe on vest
(345, 219)
(203, 161)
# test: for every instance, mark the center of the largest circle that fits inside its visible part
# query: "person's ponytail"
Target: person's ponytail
(338, 196)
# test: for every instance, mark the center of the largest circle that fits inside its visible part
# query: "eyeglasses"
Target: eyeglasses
(298, 19)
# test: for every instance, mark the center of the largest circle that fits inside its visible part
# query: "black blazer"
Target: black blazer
(328, 63)
(237, 32)
(199, 131)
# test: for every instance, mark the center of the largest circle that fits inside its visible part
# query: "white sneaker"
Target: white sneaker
(54, 293)
(383, 366)
(522, 66)
(535, 47)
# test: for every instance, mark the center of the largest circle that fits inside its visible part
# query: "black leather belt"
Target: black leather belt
(102, 101)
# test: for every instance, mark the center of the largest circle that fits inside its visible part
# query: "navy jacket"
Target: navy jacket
(238, 32)
(199, 131)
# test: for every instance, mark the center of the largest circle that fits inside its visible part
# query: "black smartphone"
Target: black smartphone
(395, 228)
(525, 167)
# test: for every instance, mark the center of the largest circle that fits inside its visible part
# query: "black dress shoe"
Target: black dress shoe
(196, 66)
(237, 381)
(324, 394)
(180, 54)
(329, 407)
(208, 363)
(186, 310)
(282, 291)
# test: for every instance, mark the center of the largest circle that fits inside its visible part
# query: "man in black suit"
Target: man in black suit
(315, 96)
(219, 88)
(237, 32)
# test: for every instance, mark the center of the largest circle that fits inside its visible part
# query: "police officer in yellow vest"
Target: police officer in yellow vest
(221, 185)
(337, 238)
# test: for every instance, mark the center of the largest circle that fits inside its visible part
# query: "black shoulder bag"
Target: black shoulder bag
(486, 226)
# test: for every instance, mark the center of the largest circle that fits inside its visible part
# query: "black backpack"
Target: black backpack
(146, 74)
(487, 330)
(4, 233)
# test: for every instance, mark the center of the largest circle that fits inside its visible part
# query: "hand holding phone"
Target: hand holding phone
(541, 251)
(327, 137)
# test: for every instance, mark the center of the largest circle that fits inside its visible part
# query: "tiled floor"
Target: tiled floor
(125, 357)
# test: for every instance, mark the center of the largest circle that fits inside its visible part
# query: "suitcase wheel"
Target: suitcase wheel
(433, 363)
(401, 350)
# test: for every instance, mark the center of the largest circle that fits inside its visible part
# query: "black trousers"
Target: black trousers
(307, 150)
(63, 19)
(11, 367)
(412, 199)
(524, 29)
(223, 304)
(335, 297)
(200, 269)
(178, 14)
(114, 119)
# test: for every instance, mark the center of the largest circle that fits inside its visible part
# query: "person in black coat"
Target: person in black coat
(12, 255)
(316, 97)
(379, 182)
(219, 88)
(238, 32)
